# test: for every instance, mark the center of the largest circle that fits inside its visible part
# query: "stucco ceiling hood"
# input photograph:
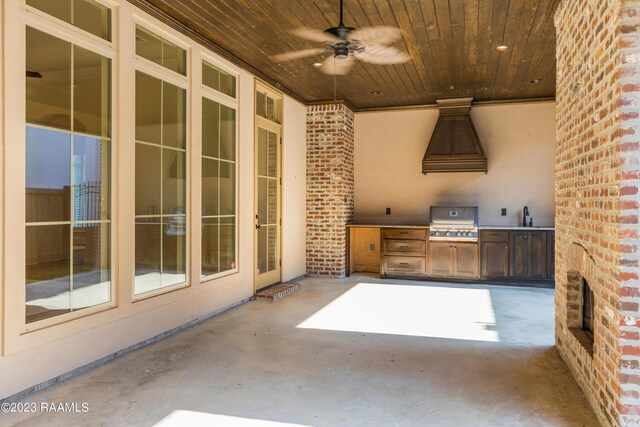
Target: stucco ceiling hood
(454, 145)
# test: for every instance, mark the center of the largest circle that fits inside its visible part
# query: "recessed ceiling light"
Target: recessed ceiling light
(376, 92)
(318, 64)
(502, 48)
(452, 87)
(535, 81)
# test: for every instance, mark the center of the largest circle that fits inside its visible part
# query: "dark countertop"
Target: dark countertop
(481, 227)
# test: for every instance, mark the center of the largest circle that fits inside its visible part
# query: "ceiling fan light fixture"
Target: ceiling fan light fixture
(341, 52)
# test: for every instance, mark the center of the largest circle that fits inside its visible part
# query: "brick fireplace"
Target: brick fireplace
(597, 180)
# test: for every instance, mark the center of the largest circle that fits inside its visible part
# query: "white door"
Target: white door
(267, 201)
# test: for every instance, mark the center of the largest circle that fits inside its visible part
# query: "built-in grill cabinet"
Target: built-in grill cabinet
(404, 251)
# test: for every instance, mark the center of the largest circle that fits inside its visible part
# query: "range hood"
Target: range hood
(454, 145)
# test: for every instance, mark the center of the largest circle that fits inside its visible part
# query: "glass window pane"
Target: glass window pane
(174, 250)
(262, 200)
(272, 154)
(210, 252)
(272, 209)
(162, 52)
(262, 152)
(48, 67)
(91, 92)
(48, 271)
(272, 247)
(91, 265)
(210, 173)
(174, 57)
(272, 109)
(148, 45)
(174, 101)
(227, 188)
(262, 250)
(227, 133)
(174, 179)
(60, 9)
(227, 244)
(48, 175)
(210, 128)
(92, 17)
(91, 178)
(261, 104)
(227, 84)
(148, 264)
(148, 108)
(147, 184)
(210, 76)
(87, 15)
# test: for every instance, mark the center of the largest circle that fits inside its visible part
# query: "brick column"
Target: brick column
(329, 187)
(597, 180)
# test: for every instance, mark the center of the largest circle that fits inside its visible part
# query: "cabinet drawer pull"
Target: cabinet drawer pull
(404, 263)
(404, 247)
(404, 233)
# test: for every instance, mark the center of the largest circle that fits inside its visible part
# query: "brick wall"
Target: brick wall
(329, 187)
(597, 179)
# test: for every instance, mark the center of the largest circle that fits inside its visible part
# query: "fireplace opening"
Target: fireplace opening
(581, 305)
(587, 309)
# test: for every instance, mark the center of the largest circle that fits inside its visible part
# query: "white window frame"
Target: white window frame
(162, 73)
(38, 20)
(15, 336)
(211, 94)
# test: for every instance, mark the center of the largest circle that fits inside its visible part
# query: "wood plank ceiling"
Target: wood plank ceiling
(451, 42)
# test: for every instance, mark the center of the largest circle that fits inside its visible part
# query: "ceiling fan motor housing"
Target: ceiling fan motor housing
(340, 31)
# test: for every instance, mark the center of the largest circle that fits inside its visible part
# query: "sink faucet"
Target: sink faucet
(525, 214)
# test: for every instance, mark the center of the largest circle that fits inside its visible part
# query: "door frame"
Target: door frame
(261, 281)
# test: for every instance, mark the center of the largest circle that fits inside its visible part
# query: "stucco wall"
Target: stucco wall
(294, 161)
(31, 357)
(518, 140)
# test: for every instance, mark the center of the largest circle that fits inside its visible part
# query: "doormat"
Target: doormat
(278, 291)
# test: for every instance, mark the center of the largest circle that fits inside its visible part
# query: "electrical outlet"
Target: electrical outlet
(503, 212)
(372, 247)
(388, 211)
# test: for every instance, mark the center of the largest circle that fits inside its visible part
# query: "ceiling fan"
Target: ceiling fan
(368, 44)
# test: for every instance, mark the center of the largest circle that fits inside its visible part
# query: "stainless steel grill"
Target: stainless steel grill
(453, 224)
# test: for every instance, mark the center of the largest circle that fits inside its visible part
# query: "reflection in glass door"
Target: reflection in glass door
(267, 204)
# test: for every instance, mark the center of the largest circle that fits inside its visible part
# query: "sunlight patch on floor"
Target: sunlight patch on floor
(183, 418)
(422, 311)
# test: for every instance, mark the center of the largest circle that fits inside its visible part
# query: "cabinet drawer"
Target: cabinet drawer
(406, 265)
(494, 236)
(404, 247)
(404, 233)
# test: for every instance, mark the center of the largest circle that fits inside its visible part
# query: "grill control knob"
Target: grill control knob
(437, 233)
(459, 233)
(448, 233)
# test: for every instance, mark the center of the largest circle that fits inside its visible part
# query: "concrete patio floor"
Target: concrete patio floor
(352, 352)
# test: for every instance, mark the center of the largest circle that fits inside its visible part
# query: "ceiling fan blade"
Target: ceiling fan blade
(314, 35)
(297, 54)
(377, 35)
(378, 54)
(337, 67)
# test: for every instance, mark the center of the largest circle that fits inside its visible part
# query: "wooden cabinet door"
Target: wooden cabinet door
(465, 260)
(551, 265)
(440, 259)
(537, 255)
(519, 254)
(495, 259)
